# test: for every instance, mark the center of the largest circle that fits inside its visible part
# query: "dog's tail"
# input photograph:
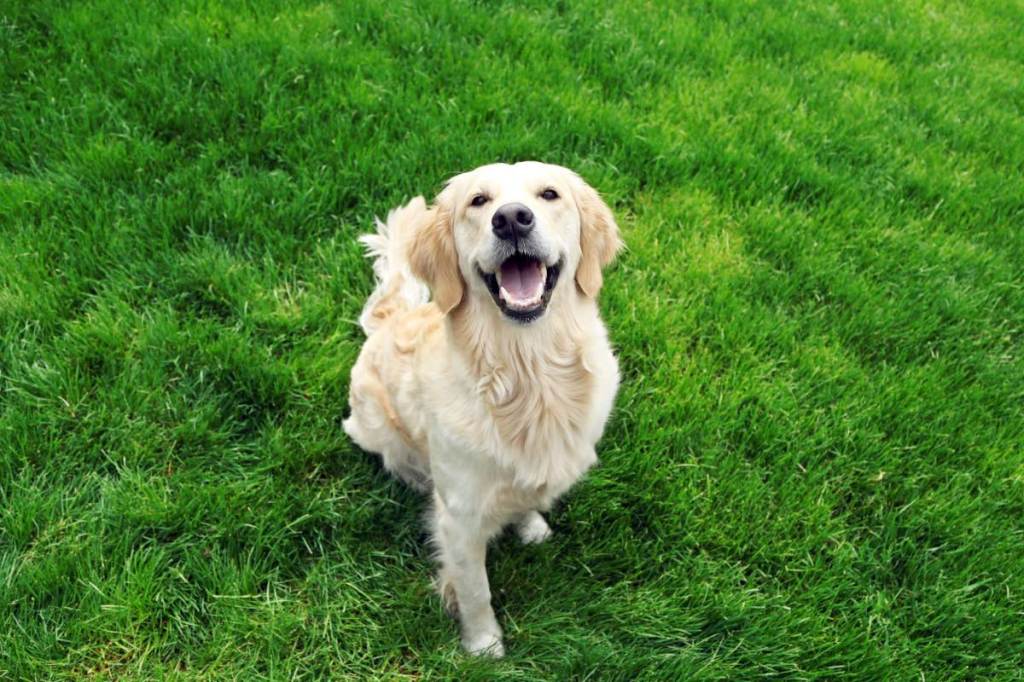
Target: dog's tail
(397, 289)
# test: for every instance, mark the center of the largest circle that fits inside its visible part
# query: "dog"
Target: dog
(487, 376)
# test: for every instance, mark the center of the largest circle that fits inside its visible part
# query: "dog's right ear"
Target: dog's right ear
(432, 255)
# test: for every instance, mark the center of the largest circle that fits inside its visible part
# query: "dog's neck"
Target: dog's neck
(534, 380)
(488, 340)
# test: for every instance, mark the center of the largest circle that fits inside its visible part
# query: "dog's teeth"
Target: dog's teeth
(516, 304)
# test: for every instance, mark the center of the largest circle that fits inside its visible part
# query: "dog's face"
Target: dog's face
(518, 235)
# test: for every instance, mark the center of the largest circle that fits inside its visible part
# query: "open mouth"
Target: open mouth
(522, 286)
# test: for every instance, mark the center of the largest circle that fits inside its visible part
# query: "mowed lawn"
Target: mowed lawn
(815, 468)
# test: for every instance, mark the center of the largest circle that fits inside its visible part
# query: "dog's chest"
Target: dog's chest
(539, 401)
(540, 409)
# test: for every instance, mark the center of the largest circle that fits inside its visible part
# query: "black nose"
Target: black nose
(512, 221)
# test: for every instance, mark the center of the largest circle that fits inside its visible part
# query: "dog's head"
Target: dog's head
(516, 234)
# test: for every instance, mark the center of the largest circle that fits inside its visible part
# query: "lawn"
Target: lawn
(815, 468)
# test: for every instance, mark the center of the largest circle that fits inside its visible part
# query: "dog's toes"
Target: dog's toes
(533, 529)
(487, 644)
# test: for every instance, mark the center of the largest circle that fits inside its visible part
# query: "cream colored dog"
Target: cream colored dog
(492, 388)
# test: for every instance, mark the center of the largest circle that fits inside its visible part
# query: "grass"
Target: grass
(816, 464)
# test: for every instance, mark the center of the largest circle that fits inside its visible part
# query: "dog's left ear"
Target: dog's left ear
(432, 255)
(599, 237)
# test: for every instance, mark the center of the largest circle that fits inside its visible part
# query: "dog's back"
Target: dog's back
(395, 315)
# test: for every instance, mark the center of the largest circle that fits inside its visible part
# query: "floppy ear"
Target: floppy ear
(432, 256)
(599, 237)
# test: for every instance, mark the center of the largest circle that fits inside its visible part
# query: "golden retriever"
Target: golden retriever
(487, 377)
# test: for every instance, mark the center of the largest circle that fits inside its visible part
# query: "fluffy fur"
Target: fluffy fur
(494, 417)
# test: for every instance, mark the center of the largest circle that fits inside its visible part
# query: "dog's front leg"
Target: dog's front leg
(462, 540)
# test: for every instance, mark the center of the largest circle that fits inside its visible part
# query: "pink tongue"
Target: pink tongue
(521, 278)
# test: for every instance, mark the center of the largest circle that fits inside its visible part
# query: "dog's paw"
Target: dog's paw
(484, 644)
(533, 529)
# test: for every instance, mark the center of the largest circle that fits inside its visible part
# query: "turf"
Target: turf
(815, 469)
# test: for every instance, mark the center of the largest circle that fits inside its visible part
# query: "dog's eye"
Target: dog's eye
(479, 200)
(549, 194)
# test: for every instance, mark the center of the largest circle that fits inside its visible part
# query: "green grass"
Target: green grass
(815, 469)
